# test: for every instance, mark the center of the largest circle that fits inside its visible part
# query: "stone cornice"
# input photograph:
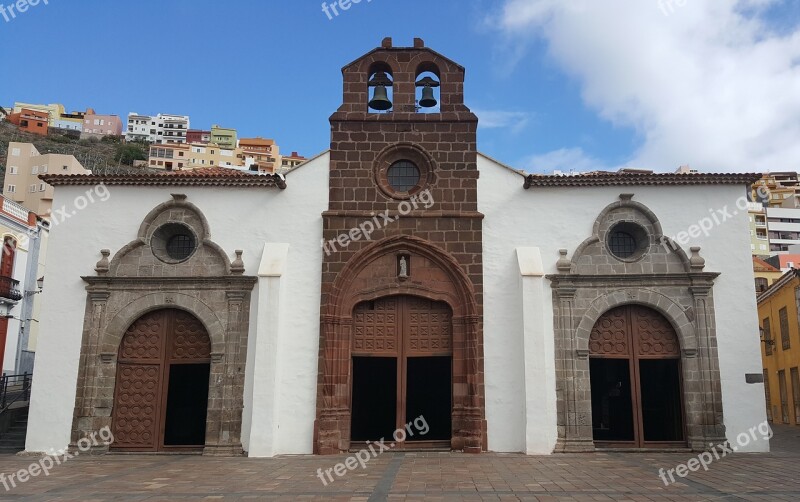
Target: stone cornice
(228, 283)
(698, 279)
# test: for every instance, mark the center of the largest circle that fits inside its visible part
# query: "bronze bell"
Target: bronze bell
(380, 99)
(427, 101)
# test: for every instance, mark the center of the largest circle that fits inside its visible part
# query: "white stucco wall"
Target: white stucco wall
(239, 218)
(248, 218)
(554, 218)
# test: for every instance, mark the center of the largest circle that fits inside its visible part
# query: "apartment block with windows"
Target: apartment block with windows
(169, 156)
(24, 164)
(212, 155)
(97, 126)
(759, 235)
(225, 137)
(52, 111)
(33, 121)
(260, 154)
(158, 129)
(779, 321)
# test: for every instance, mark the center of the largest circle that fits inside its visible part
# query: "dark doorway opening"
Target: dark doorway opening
(662, 416)
(187, 404)
(612, 407)
(428, 395)
(374, 398)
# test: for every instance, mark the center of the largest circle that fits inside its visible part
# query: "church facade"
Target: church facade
(399, 278)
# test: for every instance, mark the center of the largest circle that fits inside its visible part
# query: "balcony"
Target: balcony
(9, 289)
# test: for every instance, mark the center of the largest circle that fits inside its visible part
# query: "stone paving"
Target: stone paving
(611, 476)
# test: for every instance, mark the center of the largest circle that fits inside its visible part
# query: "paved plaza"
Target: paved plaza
(415, 476)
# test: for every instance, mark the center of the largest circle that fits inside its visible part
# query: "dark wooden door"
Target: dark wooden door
(417, 333)
(636, 379)
(153, 345)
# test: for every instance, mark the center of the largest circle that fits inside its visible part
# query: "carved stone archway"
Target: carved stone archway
(371, 274)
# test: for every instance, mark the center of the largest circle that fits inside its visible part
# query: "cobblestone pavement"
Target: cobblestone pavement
(409, 476)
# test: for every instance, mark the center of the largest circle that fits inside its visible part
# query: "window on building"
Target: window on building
(35, 170)
(12, 188)
(761, 284)
(784, 396)
(784, 320)
(15, 152)
(42, 187)
(12, 169)
(767, 336)
(403, 176)
(32, 188)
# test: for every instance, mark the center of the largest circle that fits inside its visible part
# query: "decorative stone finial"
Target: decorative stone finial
(178, 197)
(625, 197)
(696, 262)
(102, 266)
(237, 266)
(563, 264)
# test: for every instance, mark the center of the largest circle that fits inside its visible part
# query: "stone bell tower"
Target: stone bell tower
(402, 273)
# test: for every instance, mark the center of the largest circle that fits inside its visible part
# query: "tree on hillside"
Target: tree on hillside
(126, 154)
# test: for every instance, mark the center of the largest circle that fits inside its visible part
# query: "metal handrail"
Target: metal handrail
(9, 288)
(14, 388)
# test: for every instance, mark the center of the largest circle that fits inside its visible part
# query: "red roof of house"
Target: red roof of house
(760, 265)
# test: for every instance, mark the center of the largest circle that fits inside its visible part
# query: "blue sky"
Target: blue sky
(535, 72)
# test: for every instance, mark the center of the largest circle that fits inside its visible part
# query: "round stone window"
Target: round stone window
(403, 176)
(627, 241)
(173, 243)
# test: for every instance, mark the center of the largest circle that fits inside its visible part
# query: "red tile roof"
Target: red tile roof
(609, 179)
(214, 176)
(760, 265)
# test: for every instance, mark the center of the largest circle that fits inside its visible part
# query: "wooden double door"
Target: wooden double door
(635, 373)
(402, 358)
(161, 392)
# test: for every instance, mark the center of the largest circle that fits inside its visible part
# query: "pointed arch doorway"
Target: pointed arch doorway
(635, 374)
(161, 391)
(402, 357)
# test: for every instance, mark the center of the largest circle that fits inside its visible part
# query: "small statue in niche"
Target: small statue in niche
(403, 268)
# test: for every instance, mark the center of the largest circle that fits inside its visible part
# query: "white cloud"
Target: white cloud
(497, 119)
(707, 84)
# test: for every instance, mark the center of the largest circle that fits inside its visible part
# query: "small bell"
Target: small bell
(380, 99)
(427, 101)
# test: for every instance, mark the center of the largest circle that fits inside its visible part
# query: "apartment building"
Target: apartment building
(759, 236)
(21, 275)
(53, 111)
(198, 136)
(778, 186)
(33, 121)
(70, 121)
(212, 155)
(765, 274)
(260, 154)
(783, 226)
(97, 125)
(169, 156)
(780, 350)
(158, 129)
(24, 164)
(225, 137)
(291, 161)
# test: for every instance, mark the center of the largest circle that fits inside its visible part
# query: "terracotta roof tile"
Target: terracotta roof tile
(214, 176)
(760, 265)
(609, 179)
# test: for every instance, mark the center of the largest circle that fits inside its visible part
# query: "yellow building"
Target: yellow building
(780, 350)
(212, 155)
(765, 274)
(169, 156)
(777, 187)
(54, 110)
